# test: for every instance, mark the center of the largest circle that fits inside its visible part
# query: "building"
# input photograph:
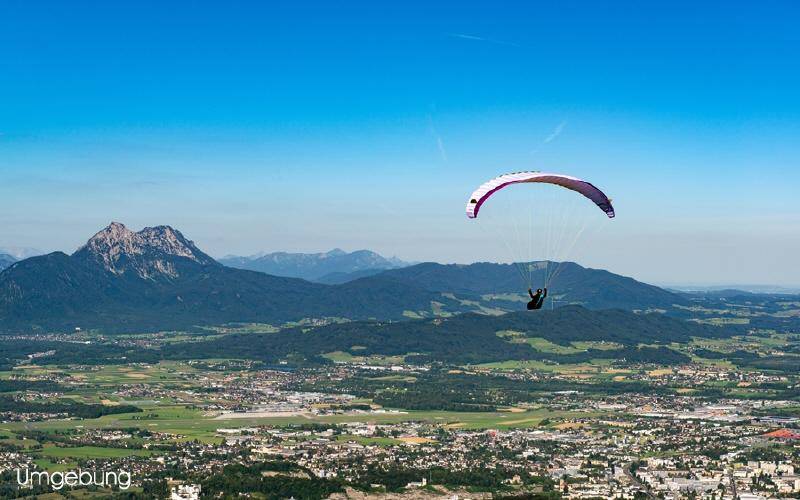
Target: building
(185, 492)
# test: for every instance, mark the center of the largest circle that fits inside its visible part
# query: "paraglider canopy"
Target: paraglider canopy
(487, 189)
(541, 221)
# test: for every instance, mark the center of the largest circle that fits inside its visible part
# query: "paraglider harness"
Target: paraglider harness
(536, 300)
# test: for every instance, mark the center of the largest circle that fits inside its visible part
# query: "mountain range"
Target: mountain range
(156, 279)
(19, 253)
(315, 266)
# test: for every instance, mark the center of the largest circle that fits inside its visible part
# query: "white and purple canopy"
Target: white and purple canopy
(487, 189)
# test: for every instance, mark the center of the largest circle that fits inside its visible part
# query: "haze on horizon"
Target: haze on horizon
(310, 126)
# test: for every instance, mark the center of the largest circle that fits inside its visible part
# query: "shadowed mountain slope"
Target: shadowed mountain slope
(156, 279)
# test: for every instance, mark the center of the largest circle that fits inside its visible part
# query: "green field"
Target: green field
(593, 366)
(91, 452)
(365, 440)
(189, 424)
(346, 357)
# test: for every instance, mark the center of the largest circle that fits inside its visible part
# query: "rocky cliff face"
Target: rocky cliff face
(150, 253)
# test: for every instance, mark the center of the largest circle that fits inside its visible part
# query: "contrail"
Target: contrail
(550, 138)
(556, 132)
(467, 37)
(439, 141)
(464, 36)
(441, 148)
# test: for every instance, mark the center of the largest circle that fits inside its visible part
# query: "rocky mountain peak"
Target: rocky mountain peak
(114, 231)
(170, 241)
(148, 252)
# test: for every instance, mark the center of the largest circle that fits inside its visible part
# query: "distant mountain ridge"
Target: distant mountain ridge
(313, 266)
(20, 253)
(6, 260)
(338, 278)
(745, 289)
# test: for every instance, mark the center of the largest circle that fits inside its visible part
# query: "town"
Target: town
(200, 417)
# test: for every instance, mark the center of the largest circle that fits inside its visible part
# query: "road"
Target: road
(636, 482)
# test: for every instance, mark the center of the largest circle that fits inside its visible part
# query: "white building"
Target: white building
(185, 492)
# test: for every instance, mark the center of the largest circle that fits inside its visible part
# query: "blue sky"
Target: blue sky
(259, 126)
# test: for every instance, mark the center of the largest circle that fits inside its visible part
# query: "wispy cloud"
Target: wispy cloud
(476, 38)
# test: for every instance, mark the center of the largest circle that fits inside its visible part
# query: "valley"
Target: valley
(357, 416)
(415, 381)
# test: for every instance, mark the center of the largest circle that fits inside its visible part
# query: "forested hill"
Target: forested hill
(473, 338)
(465, 339)
(573, 284)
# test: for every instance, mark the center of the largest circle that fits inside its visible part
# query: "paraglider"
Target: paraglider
(557, 233)
(536, 300)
